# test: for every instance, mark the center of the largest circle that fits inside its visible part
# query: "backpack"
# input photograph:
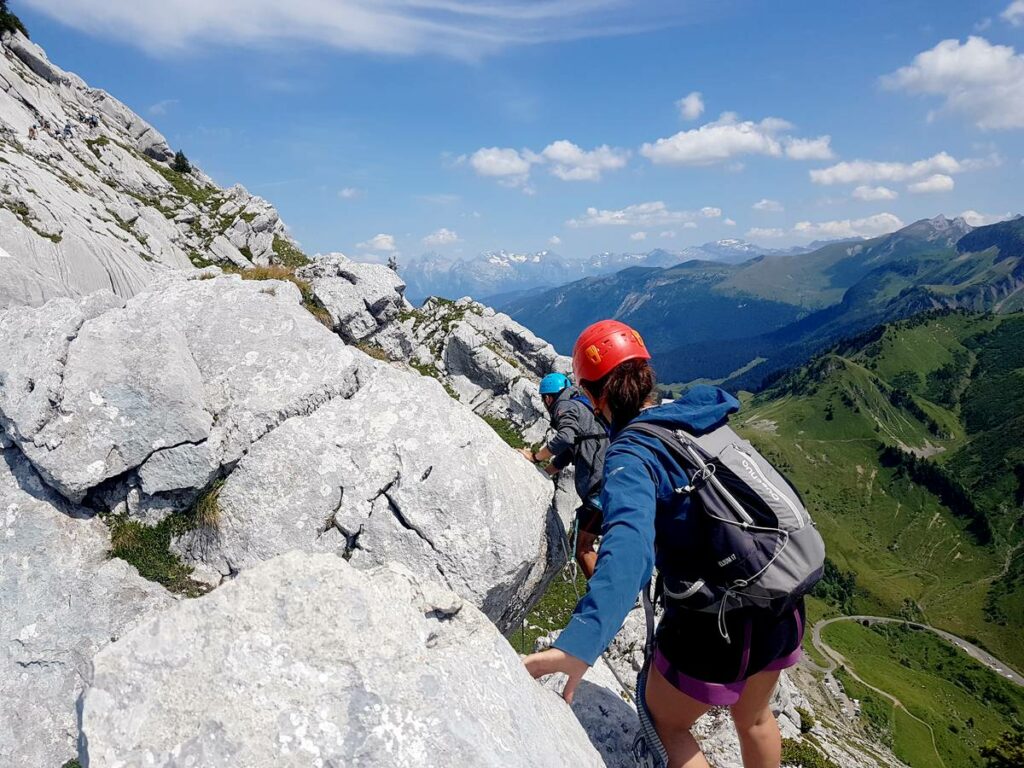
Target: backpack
(756, 542)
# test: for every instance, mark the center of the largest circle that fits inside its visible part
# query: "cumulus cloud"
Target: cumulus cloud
(691, 106)
(571, 163)
(764, 204)
(509, 166)
(982, 81)
(810, 149)
(976, 219)
(441, 236)
(872, 194)
(567, 161)
(729, 222)
(1014, 13)
(765, 233)
(940, 182)
(719, 141)
(668, 234)
(864, 171)
(554, 240)
(689, 225)
(379, 242)
(349, 193)
(461, 28)
(637, 236)
(879, 224)
(645, 215)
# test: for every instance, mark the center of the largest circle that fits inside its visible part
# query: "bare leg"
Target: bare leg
(674, 713)
(585, 554)
(760, 742)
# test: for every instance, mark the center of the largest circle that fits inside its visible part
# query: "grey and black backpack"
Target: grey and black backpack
(757, 543)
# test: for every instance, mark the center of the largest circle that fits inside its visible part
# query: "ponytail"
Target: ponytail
(626, 389)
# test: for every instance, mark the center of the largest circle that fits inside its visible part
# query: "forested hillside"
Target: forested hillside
(907, 442)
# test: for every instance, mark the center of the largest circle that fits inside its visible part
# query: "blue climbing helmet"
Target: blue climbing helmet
(554, 383)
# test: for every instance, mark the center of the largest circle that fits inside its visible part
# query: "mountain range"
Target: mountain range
(740, 324)
(506, 275)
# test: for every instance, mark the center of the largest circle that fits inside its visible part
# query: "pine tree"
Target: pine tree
(181, 163)
(9, 22)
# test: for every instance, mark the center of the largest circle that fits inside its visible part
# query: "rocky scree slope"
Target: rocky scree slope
(100, 206)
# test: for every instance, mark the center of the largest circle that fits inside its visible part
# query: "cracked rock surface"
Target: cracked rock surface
(307, 661)
(62, 601)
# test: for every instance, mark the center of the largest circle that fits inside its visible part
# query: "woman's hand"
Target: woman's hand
(527, 454)
(554, 660)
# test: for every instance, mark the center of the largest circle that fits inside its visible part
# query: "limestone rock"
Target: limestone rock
(308, 661)
(397, 472)
(361, 298)
(92, 202)
(63, 600)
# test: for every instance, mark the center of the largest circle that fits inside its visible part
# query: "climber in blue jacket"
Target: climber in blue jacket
(647, 524)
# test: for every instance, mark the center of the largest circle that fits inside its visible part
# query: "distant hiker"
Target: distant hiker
(32, 132)
(581, 439)
(685, 494)
(67, 131)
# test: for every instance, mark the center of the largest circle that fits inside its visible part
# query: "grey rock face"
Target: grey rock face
(397, 472)
(98, 206)
(304, 661)
(62, 601)
(361, 298)
(91, 391)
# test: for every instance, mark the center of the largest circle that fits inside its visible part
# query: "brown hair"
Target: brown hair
(627, 388)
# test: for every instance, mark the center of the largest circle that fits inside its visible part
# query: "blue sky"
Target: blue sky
(463, 125)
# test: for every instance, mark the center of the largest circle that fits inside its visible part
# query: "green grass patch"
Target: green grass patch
(551, 612)
(373, 351)
(288, 254)
(95, 144)
(800, 753)
(506, 430)
(72, 764)
(279, 272)
(966, 704)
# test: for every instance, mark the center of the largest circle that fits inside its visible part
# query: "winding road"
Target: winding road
(835, 659)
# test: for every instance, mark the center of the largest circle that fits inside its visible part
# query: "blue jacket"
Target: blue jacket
(644, 519)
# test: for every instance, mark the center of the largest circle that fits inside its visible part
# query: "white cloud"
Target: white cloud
(554, 240)
(637, 236)
(1014, 13)
(510, 166)
(668, 234)
(571, 163)
(764, 204)
(983, 81)
(162, 107)
(729, 222)
(379, 242)
(872, 194)
(765, 233)
(689, 225)
(864, 171)
(462, 28)
(810, 149)
(976, 219)
(937, 183)
(691, 106)
(879, 224)
(350, 193)
(717, 142)
(441, 236)
(645, 215)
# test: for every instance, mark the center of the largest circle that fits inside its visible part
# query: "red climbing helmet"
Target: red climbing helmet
(604, 345)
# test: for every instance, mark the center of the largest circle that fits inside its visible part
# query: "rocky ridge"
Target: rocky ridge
(210, 431)
(90, 199)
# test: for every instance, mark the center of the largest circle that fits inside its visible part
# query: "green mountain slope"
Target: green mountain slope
(712, 321)
(907, 442)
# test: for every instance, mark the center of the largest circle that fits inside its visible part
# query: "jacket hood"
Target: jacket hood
(701, 409)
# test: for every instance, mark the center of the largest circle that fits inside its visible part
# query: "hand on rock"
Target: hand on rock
(527, 454)
(553, 660)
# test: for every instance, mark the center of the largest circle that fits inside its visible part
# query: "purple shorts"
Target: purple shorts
(767, 646)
